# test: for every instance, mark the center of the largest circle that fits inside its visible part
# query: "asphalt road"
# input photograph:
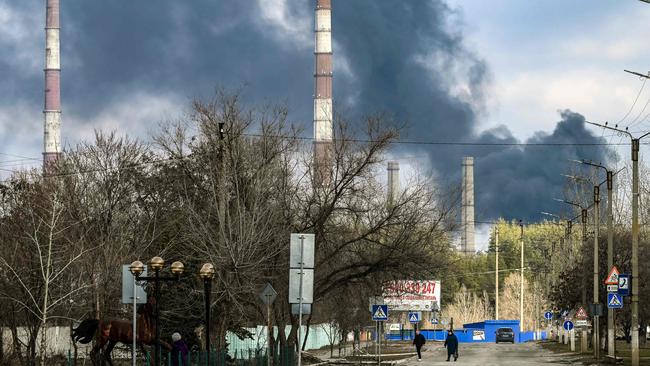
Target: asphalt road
(490, 354)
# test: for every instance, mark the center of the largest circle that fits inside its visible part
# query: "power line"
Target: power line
(459, 143)
(635, 100)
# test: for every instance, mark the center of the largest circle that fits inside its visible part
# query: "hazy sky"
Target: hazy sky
(455, 70)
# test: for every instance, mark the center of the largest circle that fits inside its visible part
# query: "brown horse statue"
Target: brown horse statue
(113, 331)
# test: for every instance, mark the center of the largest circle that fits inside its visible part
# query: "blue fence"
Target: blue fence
(471, 333)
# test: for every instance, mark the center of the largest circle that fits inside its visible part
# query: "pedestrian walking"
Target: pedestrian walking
(179, 351)
(452, 345)
(419, 341)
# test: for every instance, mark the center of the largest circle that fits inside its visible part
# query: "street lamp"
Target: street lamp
(207, 274)
(157, 263)
(610, 244)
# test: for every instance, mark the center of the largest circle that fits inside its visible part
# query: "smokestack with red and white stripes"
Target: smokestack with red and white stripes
(323, 91)
(52, 110)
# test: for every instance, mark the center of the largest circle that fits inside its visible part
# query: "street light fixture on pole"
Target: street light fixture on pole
(207, 274)
(157, 263)
(635, 232)
(611, 339)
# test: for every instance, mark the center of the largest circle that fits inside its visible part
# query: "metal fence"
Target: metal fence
(285, 356)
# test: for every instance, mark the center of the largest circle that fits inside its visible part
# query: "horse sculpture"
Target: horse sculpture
(112, 332)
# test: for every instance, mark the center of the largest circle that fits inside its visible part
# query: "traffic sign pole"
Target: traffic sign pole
(302, 268)
(379, 343)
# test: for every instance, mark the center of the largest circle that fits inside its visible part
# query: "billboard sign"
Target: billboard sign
(408, 295)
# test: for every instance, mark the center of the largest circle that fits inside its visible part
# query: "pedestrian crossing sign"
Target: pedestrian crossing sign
(612, 279)
(380, 313)
(414, 317)
(614, 301)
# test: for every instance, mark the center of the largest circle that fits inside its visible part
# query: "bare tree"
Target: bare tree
(41, 261)
(468, 307)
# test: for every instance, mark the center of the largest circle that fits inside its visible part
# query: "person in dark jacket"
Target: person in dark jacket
(179, 351)
(419, 341)
(452, 345)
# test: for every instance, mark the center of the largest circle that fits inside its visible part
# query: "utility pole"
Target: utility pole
(521, 289)
(569, 227)
(496, 272)
(635, 233)
(583, 337)
(596, 326)
(611, 339)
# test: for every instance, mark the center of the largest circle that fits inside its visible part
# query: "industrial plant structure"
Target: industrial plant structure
(323, 127)
(468, 245)
(52, 109)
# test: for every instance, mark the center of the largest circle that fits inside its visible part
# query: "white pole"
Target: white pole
(302, 246)
(379, 344)
(573, 340)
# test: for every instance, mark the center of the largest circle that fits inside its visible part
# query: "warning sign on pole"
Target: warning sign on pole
(581, 313)
(612, 279)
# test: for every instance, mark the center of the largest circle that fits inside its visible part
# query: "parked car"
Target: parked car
(505, 335)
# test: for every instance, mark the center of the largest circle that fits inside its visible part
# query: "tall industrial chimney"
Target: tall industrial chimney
(52, 110)
(393, 182)
(467, 207)
(323, 91)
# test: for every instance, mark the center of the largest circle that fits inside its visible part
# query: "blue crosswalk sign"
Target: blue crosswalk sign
(614, 300)
(414, 317)
(380, 313)
(568, 325)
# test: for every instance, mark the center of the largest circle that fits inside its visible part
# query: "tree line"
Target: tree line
(225, 184)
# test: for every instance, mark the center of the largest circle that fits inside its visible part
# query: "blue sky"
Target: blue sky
(455, 70)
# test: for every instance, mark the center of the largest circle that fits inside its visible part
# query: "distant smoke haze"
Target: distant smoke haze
(408, 58)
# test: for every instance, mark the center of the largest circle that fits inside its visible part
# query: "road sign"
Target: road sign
(612, 288)
(127, 286)
(414, 317)
(548, 315)
(564, 313)
(612, 278)
(307, 286)
(581, 313)
(614, 301)
(568, 325)
(624, 284)
(434, 321)
(268, 294)
(582, 323)
(307, 250)
(380, 313)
